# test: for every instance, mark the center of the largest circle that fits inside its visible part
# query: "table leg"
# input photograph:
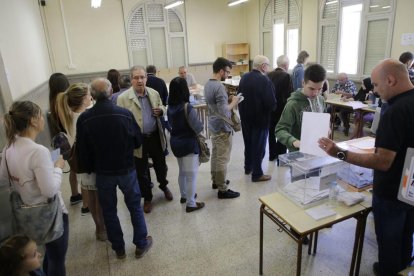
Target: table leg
(316, 242)
(333, 109)
(299, 257)
(310, 244)
(360, 124)
(361, 241)
(261, 241)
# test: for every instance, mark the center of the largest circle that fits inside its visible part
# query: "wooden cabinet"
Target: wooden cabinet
(238, 53)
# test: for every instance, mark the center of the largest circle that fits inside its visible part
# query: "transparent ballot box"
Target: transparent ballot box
(306, 179)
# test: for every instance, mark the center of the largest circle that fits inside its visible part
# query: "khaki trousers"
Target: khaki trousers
(220, 157)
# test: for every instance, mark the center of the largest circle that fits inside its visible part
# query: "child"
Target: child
(19, 256)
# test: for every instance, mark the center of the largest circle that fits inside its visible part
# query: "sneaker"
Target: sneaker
(84, 211)
(184, 200)
(140, 252)
(75, 199)
(198, 206)
(214, 186)
(120, 254)
(227, 194)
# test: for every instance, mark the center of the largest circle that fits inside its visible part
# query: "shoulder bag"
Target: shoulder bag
(204, 155)
(41, 222)
(234, 120)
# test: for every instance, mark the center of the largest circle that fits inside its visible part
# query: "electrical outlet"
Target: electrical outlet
(71, 66)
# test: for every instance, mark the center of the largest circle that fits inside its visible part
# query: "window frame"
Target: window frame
(366, 17)
(277, 18)
(147, 33)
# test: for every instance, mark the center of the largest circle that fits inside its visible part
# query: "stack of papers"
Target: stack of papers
(351, 198)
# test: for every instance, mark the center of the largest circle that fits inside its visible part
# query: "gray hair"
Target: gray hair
(136, 68)
(259, 60)
(100, 88)
(282, 60)
(302, 56)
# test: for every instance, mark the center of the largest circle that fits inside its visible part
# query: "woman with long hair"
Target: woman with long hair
(184, 145)
(114, 77)
(33, 174)
(58, 83)
(19, 256)
(76, 99)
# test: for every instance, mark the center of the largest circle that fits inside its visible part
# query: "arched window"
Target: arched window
(354, 34)
(280, 29)
(156, 36)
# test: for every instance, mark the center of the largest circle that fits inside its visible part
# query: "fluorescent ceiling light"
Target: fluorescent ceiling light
(386, 7)
(174, 4)
(332, 2)
(374, 6)
(96, 3)
(236, 2)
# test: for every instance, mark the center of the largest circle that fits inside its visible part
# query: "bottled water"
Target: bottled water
(333, 194)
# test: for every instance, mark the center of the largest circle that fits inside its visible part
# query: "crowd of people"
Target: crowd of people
(117, 124)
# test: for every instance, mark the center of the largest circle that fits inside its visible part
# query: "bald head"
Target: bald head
(101, 88)
(390, 78)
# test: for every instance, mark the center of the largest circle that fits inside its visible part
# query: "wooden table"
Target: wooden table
(288, 215)
(353, 105)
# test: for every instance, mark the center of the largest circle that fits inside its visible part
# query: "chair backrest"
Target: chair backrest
(375, 122)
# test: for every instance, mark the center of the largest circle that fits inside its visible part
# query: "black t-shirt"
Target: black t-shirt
(396, 133)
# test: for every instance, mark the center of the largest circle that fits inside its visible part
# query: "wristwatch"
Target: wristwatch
(341, 155)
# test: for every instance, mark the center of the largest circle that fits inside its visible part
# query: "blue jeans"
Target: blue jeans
(54, 260)
(128, 184)
(394, 226)
(254, 148)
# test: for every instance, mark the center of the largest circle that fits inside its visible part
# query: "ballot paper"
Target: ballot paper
(55, 154)
(314, 126)
(320, 212)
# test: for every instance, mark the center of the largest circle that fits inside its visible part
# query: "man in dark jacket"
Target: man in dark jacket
(106, 136)
(259, 101)
(157, 83)
(282, 82)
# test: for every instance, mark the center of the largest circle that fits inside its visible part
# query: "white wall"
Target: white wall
(403, 24)
(96, 37)
(210, 24)
(23, 46)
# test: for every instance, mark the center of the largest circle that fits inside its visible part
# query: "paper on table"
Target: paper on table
(314, 126)
(356, 104)
(364, 144)
(320, 212)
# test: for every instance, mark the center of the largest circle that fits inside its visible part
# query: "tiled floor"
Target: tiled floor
(221, 239)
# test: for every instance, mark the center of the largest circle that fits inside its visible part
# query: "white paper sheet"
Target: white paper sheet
(314, 126)
(320, 212)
